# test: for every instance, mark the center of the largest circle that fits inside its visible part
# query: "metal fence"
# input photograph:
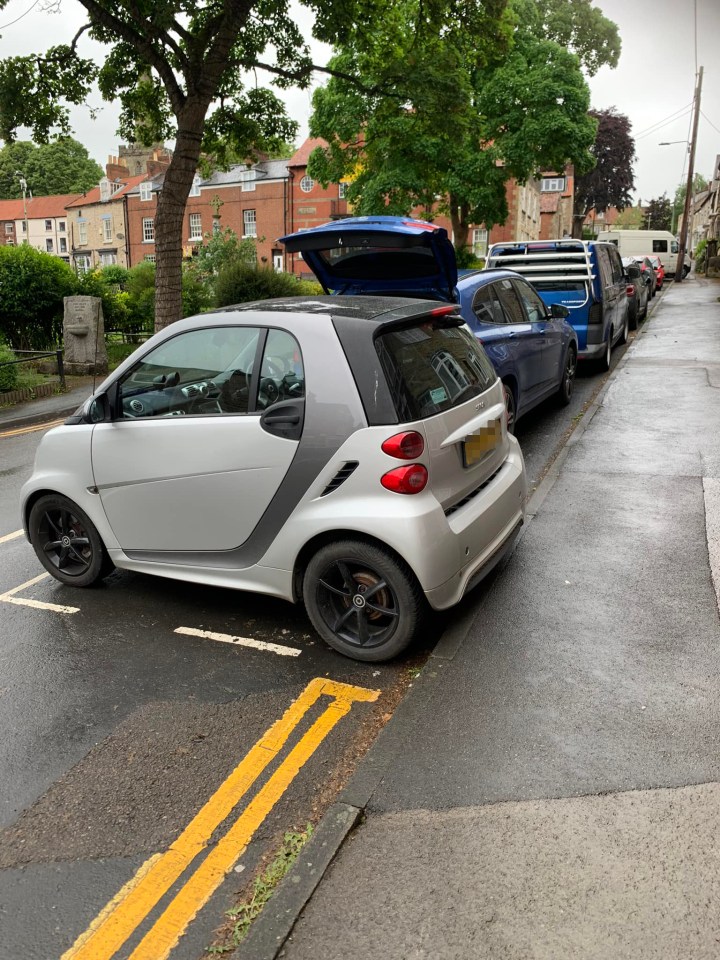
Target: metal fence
(58, 354)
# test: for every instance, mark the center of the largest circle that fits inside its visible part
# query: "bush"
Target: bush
(108, 284)
(32, 287)
(240, 283)
(700, 254)
(8, 375)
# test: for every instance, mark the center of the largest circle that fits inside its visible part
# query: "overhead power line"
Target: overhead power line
(22, 15)
(663, 123)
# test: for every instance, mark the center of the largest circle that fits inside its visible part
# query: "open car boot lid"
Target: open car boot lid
(379, 255)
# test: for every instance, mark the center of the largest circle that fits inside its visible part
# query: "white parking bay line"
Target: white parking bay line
(240, 641)
(11, 536)
(9, 597)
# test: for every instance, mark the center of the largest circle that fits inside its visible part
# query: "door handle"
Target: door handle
(291, 418)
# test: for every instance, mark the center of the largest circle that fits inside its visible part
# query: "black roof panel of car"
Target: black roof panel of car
(363, 308)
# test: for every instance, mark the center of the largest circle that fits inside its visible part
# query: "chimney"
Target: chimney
(116, 171)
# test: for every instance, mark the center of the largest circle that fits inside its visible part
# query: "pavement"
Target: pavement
(550, 787)
(59, 405)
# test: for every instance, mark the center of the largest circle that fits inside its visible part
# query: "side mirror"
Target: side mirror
(97, 409)
(559, 312)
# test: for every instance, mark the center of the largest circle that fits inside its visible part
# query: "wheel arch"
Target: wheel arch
(309, 549)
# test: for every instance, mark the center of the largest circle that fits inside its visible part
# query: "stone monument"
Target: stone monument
(84, 336)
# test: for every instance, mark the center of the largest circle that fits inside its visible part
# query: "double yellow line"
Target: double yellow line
(19, 431)
(129, 908)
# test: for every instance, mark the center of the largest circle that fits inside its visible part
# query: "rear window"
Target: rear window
(431, 368)
(367, 262)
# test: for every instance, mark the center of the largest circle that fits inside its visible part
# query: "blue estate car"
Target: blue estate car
(532, 347)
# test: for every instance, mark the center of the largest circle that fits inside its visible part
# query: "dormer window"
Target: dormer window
(146, 190)
(104, 190)
(247, 180)
(195, 188)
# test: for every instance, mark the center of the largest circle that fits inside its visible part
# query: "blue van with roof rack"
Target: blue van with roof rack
(585, 276)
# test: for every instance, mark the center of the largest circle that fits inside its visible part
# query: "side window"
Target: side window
(282, 376)
(486, 306)
(606, 277)
(510, 303)
(201, 372)
(616, 265)
(660, 246)
(534, 307)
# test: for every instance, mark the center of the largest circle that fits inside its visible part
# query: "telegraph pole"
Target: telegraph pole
(24, 187)
(680, 265)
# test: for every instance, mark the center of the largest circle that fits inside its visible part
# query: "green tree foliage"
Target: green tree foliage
(445, 119)
(611, 180)
(242, 283)
(9, 373)
(631, 218)
(182, 70)
(658, 214)
(32, 287)
(219, 251)
(698, 186)
(62, 166)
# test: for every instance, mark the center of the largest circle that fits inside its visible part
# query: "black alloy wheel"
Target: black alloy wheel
(567, 383)
(625, 331)
(510, 406)
(604, 361)
(362, 601)
(67, 543)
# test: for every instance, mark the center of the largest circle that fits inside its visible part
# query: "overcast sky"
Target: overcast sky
(653, 82)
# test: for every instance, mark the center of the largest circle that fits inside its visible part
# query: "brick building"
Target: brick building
(41, 221)
(557, 195)
(11, 212)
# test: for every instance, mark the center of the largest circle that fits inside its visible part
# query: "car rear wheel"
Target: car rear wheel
(568, 378)
(633, 311)
(510, 406)
(626, 330)
(604, 361)
(66, 542)
(362, 601)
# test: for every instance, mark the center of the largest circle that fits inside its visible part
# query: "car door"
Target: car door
(529, 338)
(551, 331)
(200, 443)
(611, 313)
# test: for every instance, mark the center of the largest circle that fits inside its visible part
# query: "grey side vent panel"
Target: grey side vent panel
(346, 470)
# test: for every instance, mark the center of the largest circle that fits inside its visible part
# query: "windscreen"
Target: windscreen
(431, 368)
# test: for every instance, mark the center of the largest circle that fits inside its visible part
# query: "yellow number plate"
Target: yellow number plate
(480, 443)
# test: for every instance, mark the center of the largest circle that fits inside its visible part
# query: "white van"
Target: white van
(642, 243)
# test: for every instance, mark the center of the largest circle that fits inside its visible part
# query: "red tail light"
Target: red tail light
(404, 446)
(410, 479)
(630, 290)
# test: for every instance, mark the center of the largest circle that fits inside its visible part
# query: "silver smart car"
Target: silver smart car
(350, 453)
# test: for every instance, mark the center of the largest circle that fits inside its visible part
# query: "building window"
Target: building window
(61, 226)
(107, 230)
(49, 246)
(249, 223)
(8, 228)
(48, 224)
(480, 238)
(82, 232)
(342, 190)
(306, 184)
(149, 258)
(63, 245)
(195, 226)
(24, 226)
(107, 259)
(553, 184)
(82, 263)
(247, 181)
(195, 188)
(146, 190)
(148, 230)
(104, 190)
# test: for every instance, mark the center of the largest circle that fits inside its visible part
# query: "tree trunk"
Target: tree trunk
(170, 216)
(460, 225)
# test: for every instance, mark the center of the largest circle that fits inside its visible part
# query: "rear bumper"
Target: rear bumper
(484, 531)
(593, 351)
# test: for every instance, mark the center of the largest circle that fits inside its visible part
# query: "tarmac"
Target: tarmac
(550, 786)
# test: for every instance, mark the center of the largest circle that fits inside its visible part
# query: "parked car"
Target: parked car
(348, 453)
(586, 277)
(648, 272)
(637, 292)
(659, 270)
(532, 347)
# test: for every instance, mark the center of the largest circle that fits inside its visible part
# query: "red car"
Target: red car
(659, 270)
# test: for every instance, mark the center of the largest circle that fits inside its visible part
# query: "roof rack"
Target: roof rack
(551, 260)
